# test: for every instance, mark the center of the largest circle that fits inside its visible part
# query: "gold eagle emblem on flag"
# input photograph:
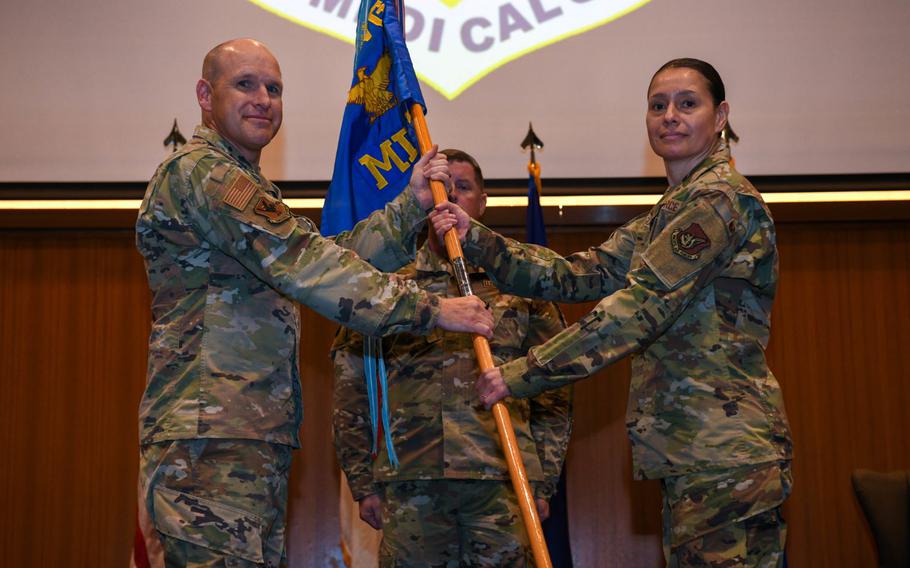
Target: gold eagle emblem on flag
(372, 91)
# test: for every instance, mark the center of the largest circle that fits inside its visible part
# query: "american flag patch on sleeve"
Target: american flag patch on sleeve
(240, 192)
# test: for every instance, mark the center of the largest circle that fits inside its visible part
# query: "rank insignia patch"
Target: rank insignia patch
(275, 211)
(240, 192)
(689, 242)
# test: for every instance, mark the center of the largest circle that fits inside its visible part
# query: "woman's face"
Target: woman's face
(682, 121)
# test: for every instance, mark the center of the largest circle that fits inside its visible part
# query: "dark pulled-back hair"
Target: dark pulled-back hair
(715, 84)
(455, 155)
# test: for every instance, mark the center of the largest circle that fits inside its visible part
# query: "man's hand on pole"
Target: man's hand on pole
(468, 314)
(431, 165)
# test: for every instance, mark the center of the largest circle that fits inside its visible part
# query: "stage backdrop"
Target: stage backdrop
(817, 86)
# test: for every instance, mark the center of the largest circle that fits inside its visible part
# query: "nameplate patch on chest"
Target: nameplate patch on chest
(272, 209)
(689, 242)
(240, 192)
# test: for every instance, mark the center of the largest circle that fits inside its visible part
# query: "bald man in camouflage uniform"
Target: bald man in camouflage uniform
(686, 289)
(450, 503)
(226, 261)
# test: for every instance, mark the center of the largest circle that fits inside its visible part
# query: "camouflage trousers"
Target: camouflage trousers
(216, 502)
(726, 518)
(449, 523)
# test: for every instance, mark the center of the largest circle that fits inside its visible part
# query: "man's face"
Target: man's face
(465, 191)
(243, 101)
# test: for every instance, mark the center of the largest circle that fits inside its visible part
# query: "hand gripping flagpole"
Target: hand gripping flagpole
(485, 359)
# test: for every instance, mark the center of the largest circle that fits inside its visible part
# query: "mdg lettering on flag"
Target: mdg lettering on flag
(455, 43)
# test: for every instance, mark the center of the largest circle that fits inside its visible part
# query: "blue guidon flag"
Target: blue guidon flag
(378, 146)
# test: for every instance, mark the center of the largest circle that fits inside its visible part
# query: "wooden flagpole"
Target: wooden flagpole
(485, 359)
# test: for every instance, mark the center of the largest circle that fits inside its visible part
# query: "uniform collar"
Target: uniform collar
(205, 135)
(212, 138)
(720, 153)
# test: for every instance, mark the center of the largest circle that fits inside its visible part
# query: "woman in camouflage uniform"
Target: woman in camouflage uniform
(685, 289)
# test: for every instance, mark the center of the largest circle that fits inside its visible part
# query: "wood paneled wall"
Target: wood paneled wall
(73, 326)
(839, 346)
(74, 321)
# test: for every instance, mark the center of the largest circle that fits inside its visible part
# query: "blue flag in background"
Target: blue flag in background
(556, 528)
(377, 146)
(535, 231)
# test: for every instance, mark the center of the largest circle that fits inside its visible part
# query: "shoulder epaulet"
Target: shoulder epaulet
(181, 152)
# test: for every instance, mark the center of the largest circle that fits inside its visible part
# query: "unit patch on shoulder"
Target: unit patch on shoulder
(689, 242)
(272, 209)
(240, 192)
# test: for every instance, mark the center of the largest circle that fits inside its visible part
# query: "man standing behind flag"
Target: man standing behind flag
(226, 260)
(450, 501)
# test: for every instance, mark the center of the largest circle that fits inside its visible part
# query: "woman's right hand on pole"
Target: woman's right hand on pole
(447, 216)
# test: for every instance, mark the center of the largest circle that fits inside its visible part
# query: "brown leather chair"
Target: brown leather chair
(885, 499)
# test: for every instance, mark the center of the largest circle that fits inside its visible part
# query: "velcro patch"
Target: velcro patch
(240, 192)
(690, 242)
(274, 210)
